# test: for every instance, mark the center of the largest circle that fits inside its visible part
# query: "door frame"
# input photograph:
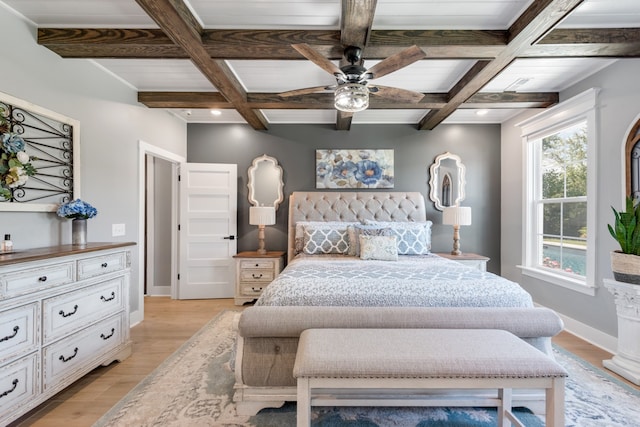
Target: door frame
(145, 149)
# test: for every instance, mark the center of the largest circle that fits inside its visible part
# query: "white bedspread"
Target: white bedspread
(411, 281)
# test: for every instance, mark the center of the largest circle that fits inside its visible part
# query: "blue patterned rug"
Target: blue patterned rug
(194, 388)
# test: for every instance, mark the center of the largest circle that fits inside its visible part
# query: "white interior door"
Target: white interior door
(208, 212)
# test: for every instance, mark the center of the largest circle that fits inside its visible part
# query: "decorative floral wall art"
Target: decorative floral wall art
(354, 168)
(39, 157)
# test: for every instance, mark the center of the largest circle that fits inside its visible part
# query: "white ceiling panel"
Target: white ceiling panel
(604, 14)
(300, 116)
(389, 116)
(280, 76)
(205, 116)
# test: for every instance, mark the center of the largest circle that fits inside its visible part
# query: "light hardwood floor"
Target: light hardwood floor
(167, 325)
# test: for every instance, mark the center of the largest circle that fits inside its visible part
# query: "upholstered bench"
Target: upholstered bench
(395, 367)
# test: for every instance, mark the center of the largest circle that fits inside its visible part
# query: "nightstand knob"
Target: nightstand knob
(257, 277)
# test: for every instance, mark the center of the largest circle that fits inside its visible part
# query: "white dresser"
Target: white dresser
(64, 311)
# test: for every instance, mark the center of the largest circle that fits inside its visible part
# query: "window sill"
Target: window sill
(559, 280)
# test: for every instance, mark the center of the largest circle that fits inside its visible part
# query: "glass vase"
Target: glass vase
(79, 231)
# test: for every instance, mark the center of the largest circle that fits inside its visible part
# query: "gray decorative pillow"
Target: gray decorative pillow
(367, 230)
(383, 248)
(414, 238)
(299, 232)
(325, 240)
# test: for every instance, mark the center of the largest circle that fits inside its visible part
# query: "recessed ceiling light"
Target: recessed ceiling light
(482, 112)
(216, 112)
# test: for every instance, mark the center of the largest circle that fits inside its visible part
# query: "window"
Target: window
(560, 194)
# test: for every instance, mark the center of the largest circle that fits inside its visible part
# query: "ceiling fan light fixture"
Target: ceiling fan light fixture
(351, 97)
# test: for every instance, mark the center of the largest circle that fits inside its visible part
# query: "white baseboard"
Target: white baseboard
(589, 334)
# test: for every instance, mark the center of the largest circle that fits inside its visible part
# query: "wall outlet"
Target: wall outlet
(117, 230)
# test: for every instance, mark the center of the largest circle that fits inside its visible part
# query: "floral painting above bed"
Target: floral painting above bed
(354, 168)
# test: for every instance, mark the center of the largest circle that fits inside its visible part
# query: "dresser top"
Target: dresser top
(49, 252)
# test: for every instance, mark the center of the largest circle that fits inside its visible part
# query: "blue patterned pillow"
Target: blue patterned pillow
(325, 240)
(367, 230)
(383, 248)
(414, 238)
(300, 226)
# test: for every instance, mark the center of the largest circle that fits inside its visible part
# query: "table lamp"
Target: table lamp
(456, 216)
(261, 216)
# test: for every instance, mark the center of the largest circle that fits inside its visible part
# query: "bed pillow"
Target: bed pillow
(414, 238)
(367, 230)
(299, 233)
(383, 248)
(325, 240)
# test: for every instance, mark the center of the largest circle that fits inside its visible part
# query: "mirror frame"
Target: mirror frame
(250, 185)
(436, 179)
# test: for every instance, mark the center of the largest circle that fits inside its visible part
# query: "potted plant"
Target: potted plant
(625, 263)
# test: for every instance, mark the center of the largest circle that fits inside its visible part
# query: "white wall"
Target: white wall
(111, 124)
(619, 103)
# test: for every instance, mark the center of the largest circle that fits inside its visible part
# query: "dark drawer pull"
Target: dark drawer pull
(8, 337)
(66, 359)
(42, 279)
(63, 314)
(106, 337)
(104, 265)
(113, 296)
(15, 384)
(256, 289)
(257, 265)
(256, 277)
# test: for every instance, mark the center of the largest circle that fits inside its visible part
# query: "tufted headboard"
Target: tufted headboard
(352, 206)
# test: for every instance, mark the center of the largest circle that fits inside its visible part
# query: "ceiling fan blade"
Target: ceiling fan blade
(304, 91)
(396, 94)
(317, 58)
(395, 62)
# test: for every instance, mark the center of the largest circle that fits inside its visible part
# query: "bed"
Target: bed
(388, 278)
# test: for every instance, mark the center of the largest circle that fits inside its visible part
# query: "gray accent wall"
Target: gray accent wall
(619, 109)
(414, 151)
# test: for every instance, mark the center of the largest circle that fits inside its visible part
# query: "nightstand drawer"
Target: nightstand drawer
(257, 276)
(266, 264)
(252, 290)
(18, 331)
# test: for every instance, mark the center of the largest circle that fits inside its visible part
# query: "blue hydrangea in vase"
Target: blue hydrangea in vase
(79, 212)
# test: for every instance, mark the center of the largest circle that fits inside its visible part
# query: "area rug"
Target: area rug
(194, 388)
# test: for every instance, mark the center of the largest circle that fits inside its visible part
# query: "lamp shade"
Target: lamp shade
(262, 215)
(457, 215)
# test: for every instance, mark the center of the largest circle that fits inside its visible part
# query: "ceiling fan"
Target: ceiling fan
(352, 89)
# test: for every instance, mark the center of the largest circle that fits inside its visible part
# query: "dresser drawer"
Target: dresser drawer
(62, 359)
(266, 264)
(18, 384)
(18, 331)
(103, 264)
(74, 310)
(257, 276)
(32, 279)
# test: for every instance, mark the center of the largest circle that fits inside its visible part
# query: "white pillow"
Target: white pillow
(414, 238)
(383, 248)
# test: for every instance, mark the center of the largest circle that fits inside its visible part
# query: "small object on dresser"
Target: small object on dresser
(7, 244)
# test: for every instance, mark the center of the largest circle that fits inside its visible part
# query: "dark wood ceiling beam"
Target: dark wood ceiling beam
(276, 44)
(537, 21)
(266, 101)
(178, 23)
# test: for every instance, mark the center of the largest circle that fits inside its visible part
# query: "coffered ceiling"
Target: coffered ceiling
(236, 56)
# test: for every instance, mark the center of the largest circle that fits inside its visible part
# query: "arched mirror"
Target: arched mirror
(265, 182)
(447, 181)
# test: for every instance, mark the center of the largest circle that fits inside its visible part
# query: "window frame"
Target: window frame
(582, 107)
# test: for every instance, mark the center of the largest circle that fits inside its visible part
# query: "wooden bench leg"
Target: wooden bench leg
(555, 404)
(303, 405)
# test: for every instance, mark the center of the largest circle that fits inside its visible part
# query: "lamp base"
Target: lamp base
(261, 250)
(456, 241)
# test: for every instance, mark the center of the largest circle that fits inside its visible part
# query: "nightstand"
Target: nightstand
(472, 260)
(254, 272)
